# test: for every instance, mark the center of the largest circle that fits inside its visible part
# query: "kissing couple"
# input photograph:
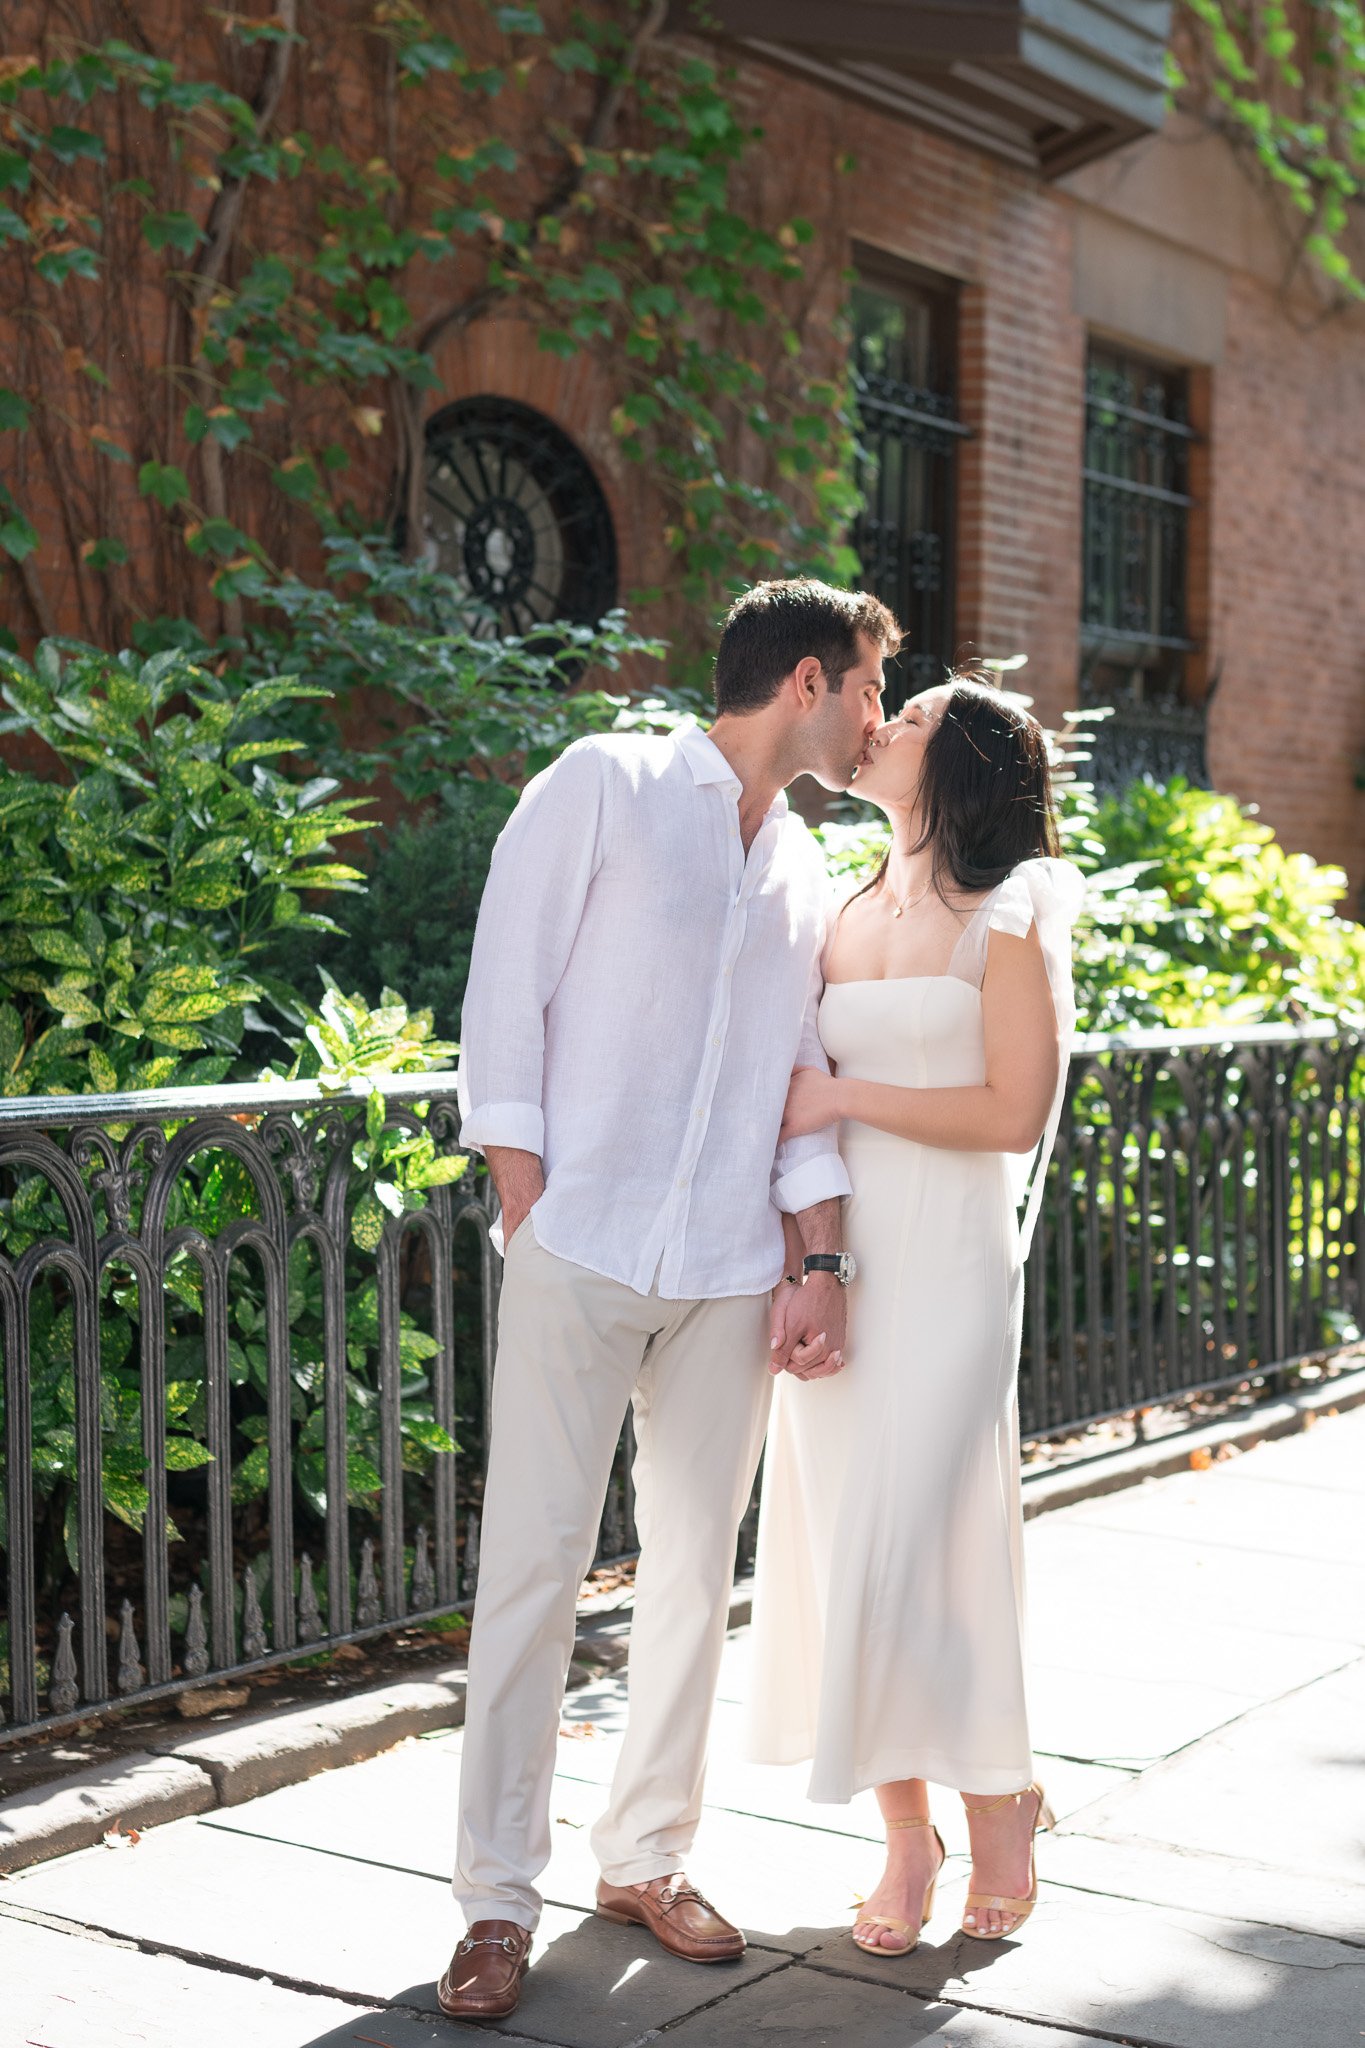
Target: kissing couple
(743, 1138)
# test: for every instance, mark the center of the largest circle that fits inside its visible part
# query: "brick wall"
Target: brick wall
(1287, 574)
(1278, 591)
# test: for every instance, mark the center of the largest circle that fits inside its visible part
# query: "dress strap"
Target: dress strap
(1048, 893)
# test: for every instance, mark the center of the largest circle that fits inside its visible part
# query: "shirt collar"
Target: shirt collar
(709, 765)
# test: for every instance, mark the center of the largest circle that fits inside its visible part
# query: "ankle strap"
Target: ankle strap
(924, 1823)
(993, 1805)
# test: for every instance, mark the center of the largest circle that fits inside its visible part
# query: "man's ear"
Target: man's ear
(806, 677)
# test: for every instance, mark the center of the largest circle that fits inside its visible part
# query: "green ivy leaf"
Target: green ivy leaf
(14, 412)
(164, 482)
(172, 231)
(104, 554)
(69, 145)
(17, 537)
(69, 260)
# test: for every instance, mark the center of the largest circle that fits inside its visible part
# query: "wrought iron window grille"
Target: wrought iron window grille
(516, 515)
(904, 346)
(1135, 638)
(1136, 519)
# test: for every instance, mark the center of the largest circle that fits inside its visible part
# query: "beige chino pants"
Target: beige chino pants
(574, 1349)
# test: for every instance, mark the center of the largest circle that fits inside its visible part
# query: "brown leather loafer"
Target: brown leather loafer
(483, 1980)
(678, 1917)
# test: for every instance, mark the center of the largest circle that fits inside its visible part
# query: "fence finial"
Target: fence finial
(310, 1621)
(423, 1584)
(130, 1673)
(367, 1609)
(62, 1694)
(195, 1661)
(253, 1622)
(471, 1556)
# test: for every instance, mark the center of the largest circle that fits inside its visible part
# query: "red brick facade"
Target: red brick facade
(1276, 591)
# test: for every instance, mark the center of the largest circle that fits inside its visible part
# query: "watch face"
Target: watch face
(848, 1269)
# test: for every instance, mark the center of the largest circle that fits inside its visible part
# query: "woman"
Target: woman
(890, 1597)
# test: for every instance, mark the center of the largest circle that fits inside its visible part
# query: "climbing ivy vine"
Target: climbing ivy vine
(230, 265)
(1286, 80)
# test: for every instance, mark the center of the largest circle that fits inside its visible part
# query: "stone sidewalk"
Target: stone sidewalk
(1198, 1654)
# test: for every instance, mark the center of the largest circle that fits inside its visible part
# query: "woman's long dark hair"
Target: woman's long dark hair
(985, 795)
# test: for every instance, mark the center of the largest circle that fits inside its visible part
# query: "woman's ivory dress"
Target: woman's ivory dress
(889, 1607)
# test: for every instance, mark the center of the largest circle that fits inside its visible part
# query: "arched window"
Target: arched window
(514, 512)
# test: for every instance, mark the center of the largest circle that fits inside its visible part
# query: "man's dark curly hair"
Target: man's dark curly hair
(776, 625)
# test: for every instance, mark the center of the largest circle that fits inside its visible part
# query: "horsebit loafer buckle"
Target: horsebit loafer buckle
(502, 1941)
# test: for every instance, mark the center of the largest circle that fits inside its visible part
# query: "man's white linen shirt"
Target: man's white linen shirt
(638, 995)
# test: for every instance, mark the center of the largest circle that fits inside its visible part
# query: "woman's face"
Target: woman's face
(890, 774)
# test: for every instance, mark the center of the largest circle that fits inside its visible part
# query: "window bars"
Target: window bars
(904, 346)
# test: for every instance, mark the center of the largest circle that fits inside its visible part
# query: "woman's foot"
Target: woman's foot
(1003, 1884)
(914, 1858)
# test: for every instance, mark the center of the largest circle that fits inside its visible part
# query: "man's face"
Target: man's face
(844, 721)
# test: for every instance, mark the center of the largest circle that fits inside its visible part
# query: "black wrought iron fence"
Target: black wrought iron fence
(244, 1399)
(1204, 1218)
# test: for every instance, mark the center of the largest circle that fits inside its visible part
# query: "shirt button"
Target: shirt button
(683, 1182)
(715, 1041)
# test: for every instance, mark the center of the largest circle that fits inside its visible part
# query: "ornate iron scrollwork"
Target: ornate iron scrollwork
(515, 514)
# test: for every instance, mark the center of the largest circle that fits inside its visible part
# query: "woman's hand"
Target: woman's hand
(812, 1102)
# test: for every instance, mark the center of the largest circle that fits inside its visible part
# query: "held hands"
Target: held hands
(812, 1103)
(807, 1328)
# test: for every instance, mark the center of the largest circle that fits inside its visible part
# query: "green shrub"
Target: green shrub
(414, 926)
(1219, 924)
(459, 696)
(147, 867)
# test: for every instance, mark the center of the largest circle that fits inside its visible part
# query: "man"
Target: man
(645, 975)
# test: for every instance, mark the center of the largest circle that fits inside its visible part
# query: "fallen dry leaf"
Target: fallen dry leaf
(1201, 1459)
(212, 1699)
(578, 1732)
(562, 1821)
(119, 1837)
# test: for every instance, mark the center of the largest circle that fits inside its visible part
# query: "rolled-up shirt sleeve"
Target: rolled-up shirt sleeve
(542, 867)
(809, 1170)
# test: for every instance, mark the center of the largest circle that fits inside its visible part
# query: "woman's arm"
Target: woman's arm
(1007, 1114)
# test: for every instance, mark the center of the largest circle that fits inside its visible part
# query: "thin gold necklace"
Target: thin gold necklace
(898, 907)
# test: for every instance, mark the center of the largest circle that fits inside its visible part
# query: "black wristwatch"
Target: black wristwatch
(841, 1264)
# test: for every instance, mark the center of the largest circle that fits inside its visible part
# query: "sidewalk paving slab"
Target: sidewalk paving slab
(1199, 1880)
(377, 1935)
(1284, 1786)
(1138, 1574)
(1254, 1514)
(317, 1919)
(1152, 1974)
(75, 1991)
(813, 2009)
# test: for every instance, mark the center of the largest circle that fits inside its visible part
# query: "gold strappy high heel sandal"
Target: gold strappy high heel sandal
(1018, 1909)
(877, 1948)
